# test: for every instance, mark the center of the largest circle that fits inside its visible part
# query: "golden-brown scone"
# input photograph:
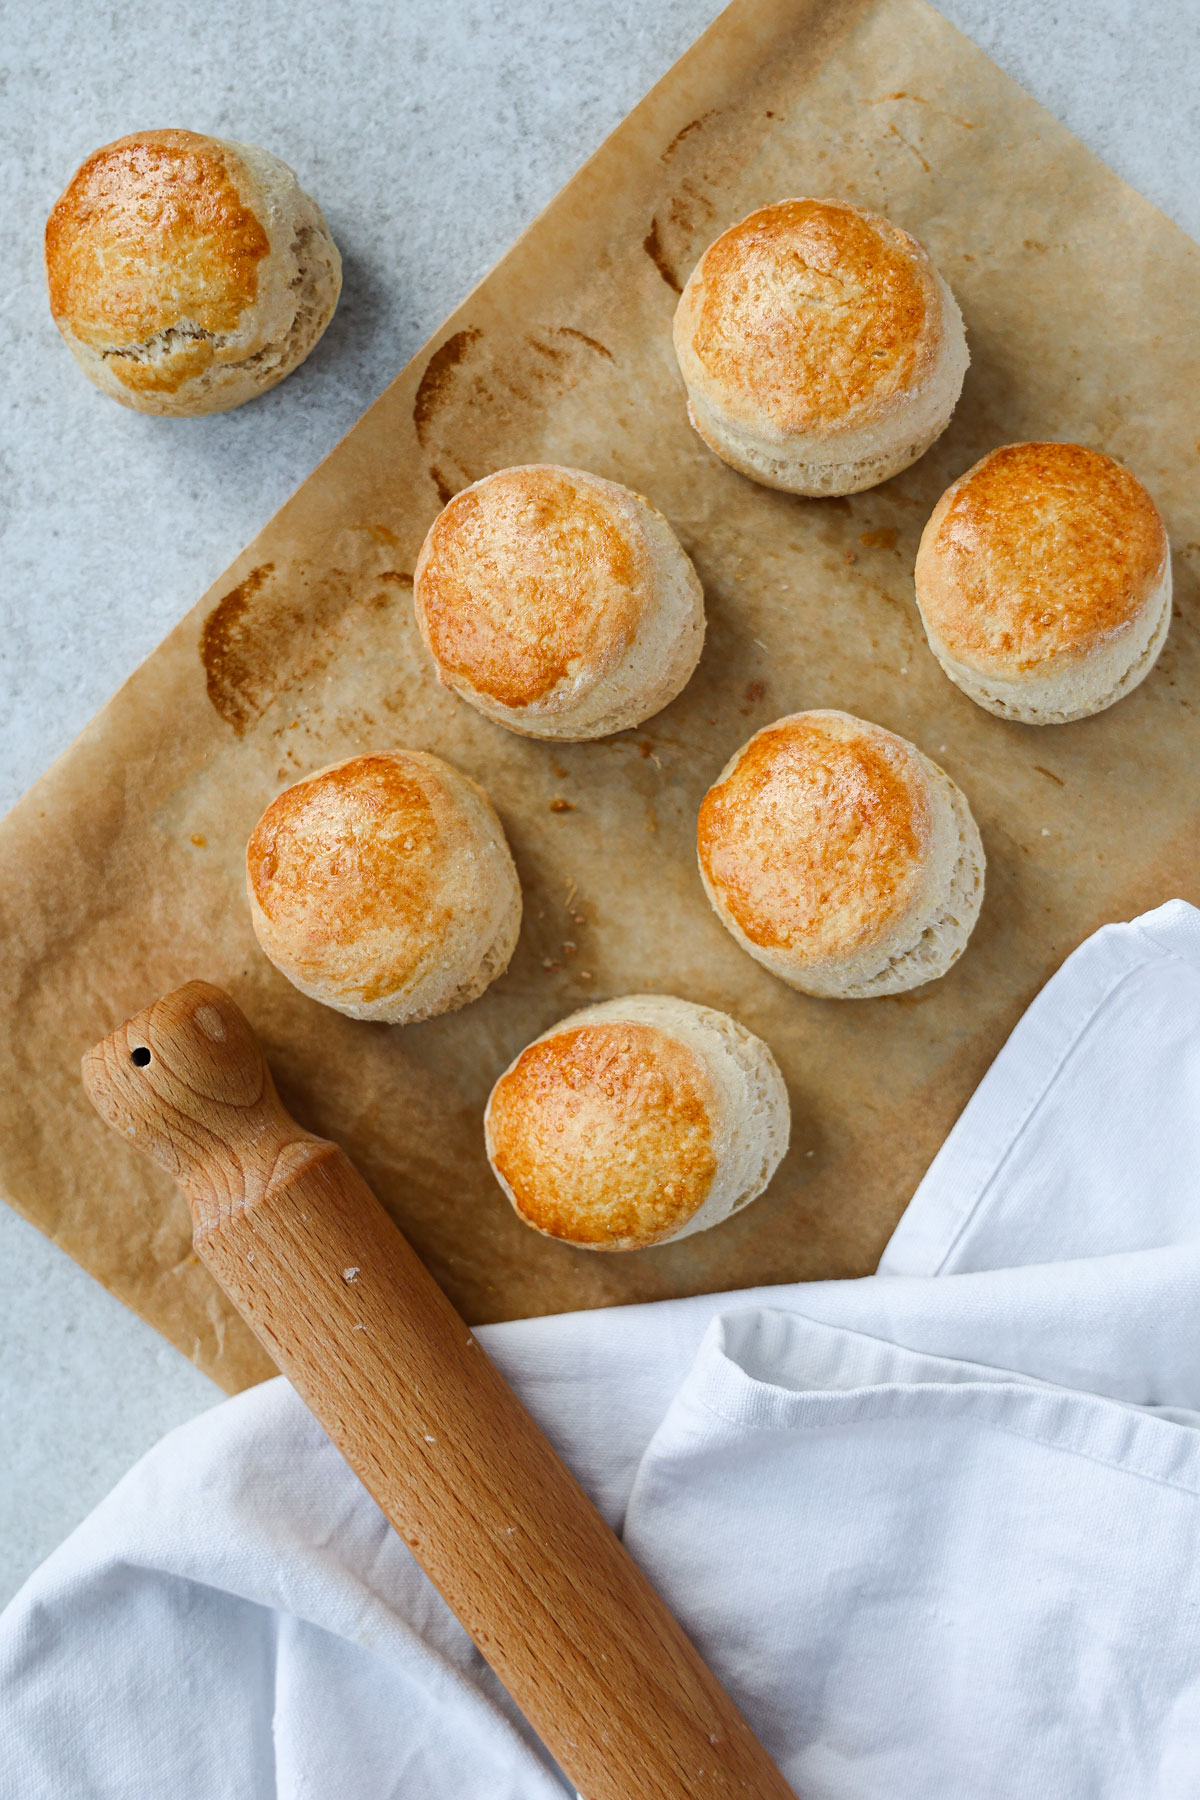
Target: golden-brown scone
(840, 857)
(383, 886)
(821, 350)
(560, 604)
(636, 1122)
(188, 273)
(1044, 582)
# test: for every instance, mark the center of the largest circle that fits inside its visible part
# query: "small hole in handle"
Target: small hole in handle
(139, 1057)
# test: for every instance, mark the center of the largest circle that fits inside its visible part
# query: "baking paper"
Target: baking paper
(121, 872)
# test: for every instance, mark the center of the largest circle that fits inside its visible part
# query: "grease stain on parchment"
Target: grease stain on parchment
(583, 338)
(553, 353)
(894, 131)
(690, 208)
(438, 371)
(475, 395)
(266, 634)
(652, 245)
(920, 100)
(221, 650)
(445, 488)
(692, 125)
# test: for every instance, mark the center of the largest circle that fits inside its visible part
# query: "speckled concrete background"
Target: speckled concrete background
(430, 137)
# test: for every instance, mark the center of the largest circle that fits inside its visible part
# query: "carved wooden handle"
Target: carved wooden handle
(313, 1263)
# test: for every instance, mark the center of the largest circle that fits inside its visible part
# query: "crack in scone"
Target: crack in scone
(174, 338)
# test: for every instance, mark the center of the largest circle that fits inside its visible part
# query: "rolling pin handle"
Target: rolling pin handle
(319, 1271)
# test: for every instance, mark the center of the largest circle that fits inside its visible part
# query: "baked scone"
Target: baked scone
(840, 857)
(383, 886)
(560, 604)
(637, 1122)
(1044, 582)
(821, 350)
(188, 273)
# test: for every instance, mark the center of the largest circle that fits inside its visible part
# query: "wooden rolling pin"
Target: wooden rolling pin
(316, 1267)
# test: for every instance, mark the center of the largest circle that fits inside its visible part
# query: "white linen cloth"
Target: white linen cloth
(937, 1530)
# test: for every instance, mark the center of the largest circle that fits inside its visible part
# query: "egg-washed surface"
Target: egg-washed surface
(171, 211)
(1040, 550)
(604, 1134)
(814, 314)
(122, 874)
(815, 840)
(530, 577)
(349, 870)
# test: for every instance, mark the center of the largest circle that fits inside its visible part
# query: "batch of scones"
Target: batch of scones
(821, 353)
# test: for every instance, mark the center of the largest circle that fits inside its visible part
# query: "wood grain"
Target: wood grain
(310, 1259)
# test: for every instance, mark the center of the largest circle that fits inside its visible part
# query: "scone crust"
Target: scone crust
(1040, 554)
(558, 603)
(809, 317)
(636, 1122)
(187, 273)
(815, 835)
(533, 578)
(603, 1134)
(383, 886)
(158, 227)
(841, 857)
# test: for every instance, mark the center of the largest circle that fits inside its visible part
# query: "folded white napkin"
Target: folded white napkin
(938, 1531)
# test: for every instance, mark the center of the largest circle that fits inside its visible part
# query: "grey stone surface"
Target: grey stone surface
(431, 136)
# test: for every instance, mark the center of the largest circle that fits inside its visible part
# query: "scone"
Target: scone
(188, 273)
(821, 350)
(840, 857)
(1044, 582)
(560, 604)
(637, 1122)
(383, 886)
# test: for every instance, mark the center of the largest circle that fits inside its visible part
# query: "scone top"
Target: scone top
(815, 838)
(810, 317)
(383, 886)
(157, 232)
(604, 1134)
(348, 864)
(532, 584)
(1040, 553)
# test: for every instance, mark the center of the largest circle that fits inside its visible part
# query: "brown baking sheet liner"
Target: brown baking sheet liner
(121, 872)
